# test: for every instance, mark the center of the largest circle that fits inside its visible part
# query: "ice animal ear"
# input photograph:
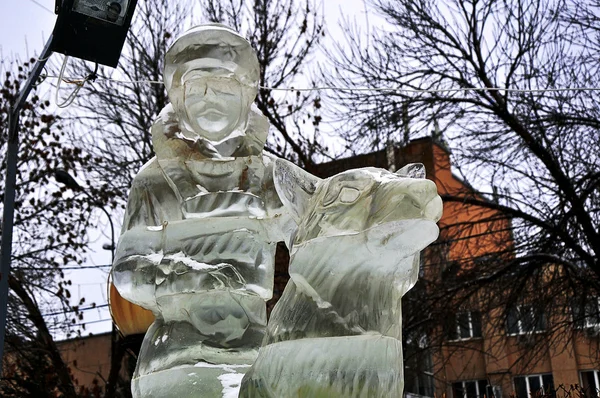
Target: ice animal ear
(412, 170)
(294, 186)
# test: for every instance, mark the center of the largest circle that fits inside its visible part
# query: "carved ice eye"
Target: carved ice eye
(344, 194)
(349, 195)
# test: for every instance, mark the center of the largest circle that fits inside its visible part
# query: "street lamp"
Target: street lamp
(93, 30)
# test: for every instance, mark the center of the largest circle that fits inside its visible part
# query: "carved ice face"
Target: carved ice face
(213, 106)
(211, 75)
(357, 200)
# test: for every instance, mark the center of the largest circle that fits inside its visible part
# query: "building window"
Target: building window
(418, 383)
(587, 314)
(590, 382)
(469, 389)
(464, 325)
(532, 386)
(418, 368)
(525, 319)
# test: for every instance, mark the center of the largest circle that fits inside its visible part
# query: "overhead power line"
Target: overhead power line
(91, 307)
(335, 88)
(64, 268)
(90, 322)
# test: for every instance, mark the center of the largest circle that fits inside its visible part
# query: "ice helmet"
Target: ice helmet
(214, 48)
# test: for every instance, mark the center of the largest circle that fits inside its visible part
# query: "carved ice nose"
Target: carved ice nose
(434, 209)
(424, 194)
(422, 191)
(209, 91)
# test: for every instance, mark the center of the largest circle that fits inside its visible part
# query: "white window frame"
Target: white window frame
(522, 332)
(596, 379)
(587, 317)
(478, 393)
(528, 388)
(471, 328)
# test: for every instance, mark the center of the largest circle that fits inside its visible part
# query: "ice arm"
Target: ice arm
(134, 272)
(135, 279)
(294, 188)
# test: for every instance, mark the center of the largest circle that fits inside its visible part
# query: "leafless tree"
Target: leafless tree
(50, 236)
(505, 81)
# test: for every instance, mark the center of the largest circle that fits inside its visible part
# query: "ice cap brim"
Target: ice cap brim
(211, 46)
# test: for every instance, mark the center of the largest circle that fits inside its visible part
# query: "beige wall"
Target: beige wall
(88, 358)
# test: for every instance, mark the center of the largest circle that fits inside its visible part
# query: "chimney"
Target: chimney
(438, 136)
(406, 123)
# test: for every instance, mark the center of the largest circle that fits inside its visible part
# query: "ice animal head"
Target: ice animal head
(356, 200)
(211, 75)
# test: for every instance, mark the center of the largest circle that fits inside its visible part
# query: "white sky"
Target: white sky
(25, 25)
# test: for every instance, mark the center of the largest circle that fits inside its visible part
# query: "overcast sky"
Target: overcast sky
(24, 26)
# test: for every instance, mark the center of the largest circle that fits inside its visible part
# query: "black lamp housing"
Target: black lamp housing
(93, 30)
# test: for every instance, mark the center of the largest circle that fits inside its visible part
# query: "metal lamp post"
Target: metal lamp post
(9, 188)
(93, 30)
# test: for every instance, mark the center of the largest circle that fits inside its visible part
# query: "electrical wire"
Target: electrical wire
(90, 322)
(388, 89)
(42, 78)
(128, 81)
(434, 91)
(73, 94)
(41, 59)
(91, 307)
(78, 82)
(83, 267)
(42, 6)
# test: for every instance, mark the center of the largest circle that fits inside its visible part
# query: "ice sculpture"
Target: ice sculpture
(198, 242)
(336, 331)
(203, 217)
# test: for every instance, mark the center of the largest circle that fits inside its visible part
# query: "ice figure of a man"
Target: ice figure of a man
(203, 218)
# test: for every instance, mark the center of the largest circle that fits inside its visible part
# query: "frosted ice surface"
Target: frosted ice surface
(231, 384)
(202, 222)
(412, 170)
(336, 330)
